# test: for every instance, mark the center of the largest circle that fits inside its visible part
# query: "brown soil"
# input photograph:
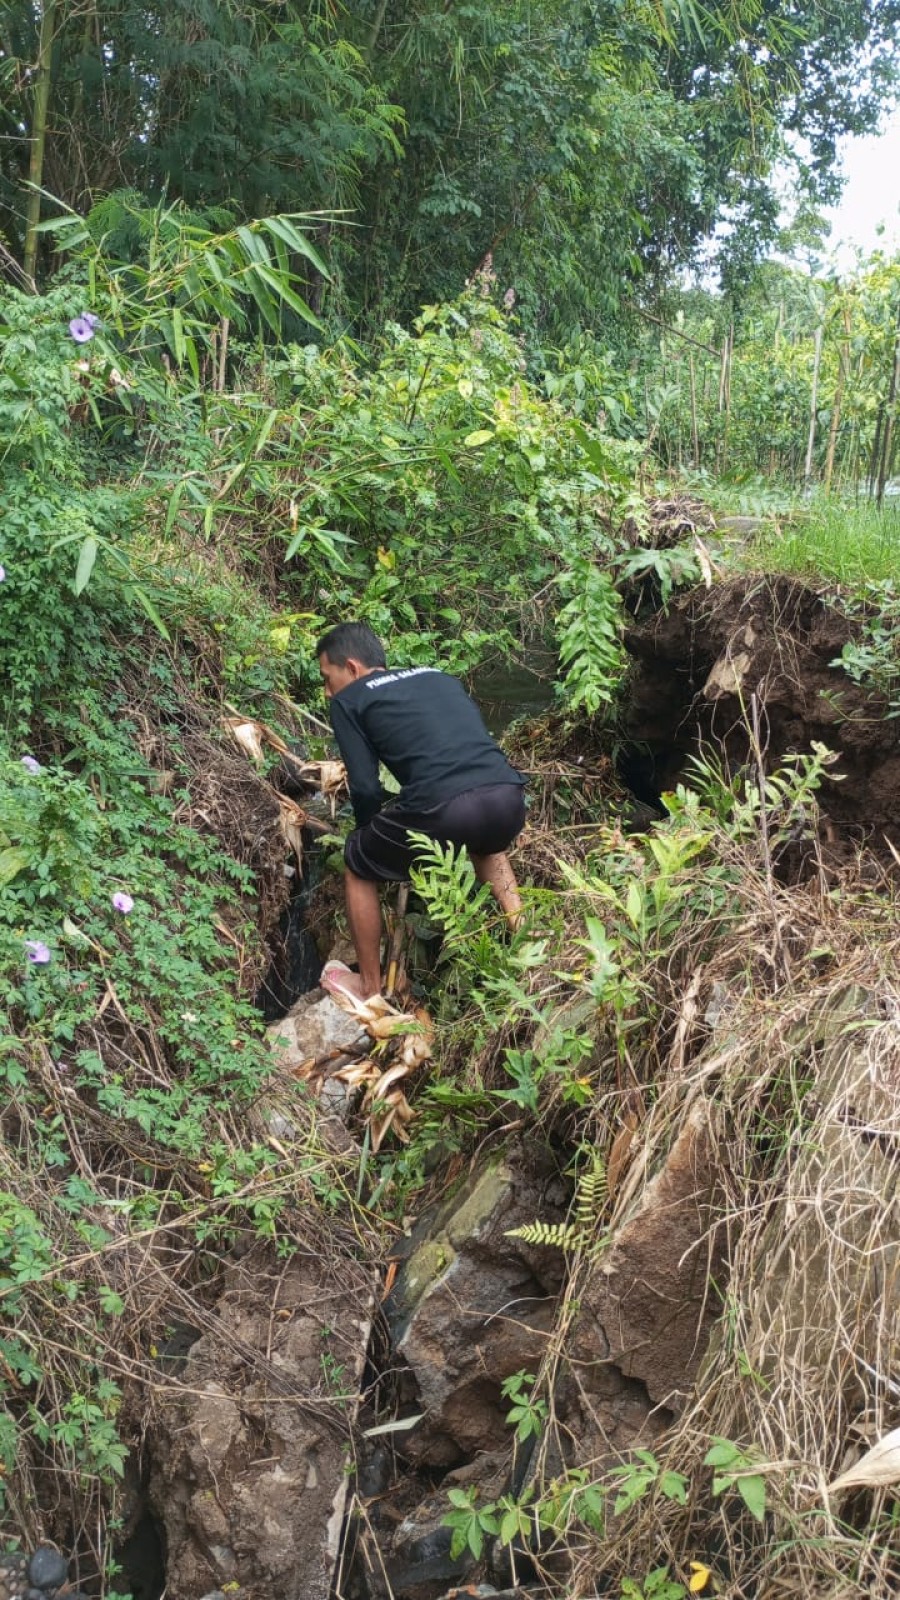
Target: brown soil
(698, 667)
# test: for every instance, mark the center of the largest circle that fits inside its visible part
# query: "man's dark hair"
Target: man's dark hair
(354, 639)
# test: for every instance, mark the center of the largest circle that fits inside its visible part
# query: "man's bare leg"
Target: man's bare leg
(496, 871)
(364, 917)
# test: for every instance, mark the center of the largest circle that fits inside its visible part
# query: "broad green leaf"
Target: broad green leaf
(12, 862)
(178, 333)
(480, 436)
(174, 502)
(674, 1486)
(752, 1491)
(86, 558)
(459, 1497)
(264, 431)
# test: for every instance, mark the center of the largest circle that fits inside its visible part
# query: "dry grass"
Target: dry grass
(788, 1032)
(167, 1269)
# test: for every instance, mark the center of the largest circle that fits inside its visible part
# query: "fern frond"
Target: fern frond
(563, 1235)
(590, 635)
(590, 1193)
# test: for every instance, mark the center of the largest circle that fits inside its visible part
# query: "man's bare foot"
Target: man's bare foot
(337, 979)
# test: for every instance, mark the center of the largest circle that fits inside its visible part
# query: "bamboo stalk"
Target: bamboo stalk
(813, 401)
(875, 456)
(695, 430)
(223, 355)
(887, 448)
(837, 402)
(39, 135)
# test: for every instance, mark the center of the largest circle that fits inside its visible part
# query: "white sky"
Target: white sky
(871, 196)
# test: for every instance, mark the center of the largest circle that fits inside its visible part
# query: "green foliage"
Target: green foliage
(737, 1468)
(791, 383)
(871, 657)
(527, 1413)
(589, 633)
(636, 1478)
(590, 1197)
(656, 1586)
(786, 799)
(190, 271)
(855, 545)
(562, 1235)
(672, 569)
(260, 109)
(470, 1523)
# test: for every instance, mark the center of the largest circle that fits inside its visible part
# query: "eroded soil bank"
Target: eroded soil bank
(700, 666)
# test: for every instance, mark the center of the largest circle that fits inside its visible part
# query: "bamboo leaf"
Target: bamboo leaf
(296, 241)
(878, 1468)
(290, 297)
(149, 608)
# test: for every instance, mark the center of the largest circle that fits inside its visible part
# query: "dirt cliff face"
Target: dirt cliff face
(250, 1451)
(700, 665)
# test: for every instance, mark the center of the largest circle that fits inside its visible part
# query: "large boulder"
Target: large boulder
(471, 1306)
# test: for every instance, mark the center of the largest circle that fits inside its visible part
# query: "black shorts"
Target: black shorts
(485, 820)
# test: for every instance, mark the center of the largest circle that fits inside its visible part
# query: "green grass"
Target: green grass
(847, 543)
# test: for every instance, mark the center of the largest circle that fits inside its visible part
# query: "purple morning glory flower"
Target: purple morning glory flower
(122, 902)
(30, 765)
(82, 328)
(38, 953)
(91, 317)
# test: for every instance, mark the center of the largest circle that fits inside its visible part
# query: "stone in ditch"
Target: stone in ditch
(47, 1569)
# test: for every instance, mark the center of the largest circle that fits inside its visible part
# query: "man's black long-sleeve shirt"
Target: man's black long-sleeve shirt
(421, 723)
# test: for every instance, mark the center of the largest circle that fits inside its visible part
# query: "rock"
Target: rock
(314, 1027)
(249, 1476)
(470, 1307)
(645, 1310)
(47, 1569)
(13, 1579)
(417, 1554)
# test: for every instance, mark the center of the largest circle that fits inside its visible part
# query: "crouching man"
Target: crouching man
(456, 784)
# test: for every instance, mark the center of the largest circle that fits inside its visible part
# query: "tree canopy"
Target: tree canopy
(586, 145)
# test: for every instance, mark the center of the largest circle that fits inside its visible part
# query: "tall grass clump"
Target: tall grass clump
(840, 541)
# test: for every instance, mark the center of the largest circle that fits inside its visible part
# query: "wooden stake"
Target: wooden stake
(396, 941)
